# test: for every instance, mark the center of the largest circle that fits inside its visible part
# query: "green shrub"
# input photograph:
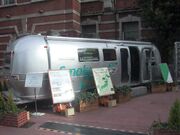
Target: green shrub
(174, 116)
(125, 90)
(86, 96)
(8, 106)
(11, 106)
(173, 120)
(2, 105)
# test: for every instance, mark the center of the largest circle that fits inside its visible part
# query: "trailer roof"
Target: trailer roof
(95, 40)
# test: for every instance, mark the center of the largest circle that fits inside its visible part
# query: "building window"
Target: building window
(36, 0)
(7, 2)
(109, 54)
(89, 31)
(88, 54)
(130, 30)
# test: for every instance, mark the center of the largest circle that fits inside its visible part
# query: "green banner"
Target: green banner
(165, 73)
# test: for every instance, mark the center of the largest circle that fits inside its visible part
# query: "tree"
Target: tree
(164, 17)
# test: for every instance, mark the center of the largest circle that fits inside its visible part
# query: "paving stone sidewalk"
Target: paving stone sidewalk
(134, 116)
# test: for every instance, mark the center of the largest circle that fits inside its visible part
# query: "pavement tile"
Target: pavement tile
(136, 116)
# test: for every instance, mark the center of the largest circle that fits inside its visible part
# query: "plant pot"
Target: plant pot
(15, 120)
(159, 88)
(107, 101)
(165, 132)
(120, 98)
(86, 106)
(69, 112)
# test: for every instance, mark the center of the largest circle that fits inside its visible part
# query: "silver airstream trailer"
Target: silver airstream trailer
(129, 62)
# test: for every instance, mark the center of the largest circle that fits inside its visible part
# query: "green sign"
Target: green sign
(103, 81)
(165, 73)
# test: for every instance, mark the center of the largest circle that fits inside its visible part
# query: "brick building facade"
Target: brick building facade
(108, 19)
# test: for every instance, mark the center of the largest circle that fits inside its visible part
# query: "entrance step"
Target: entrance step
(139, 91)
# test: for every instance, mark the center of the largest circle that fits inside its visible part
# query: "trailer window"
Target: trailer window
(109, 54)
(88, 54)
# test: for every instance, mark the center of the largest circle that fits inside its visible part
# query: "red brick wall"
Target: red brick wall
(107, 35)
(35, 7)
(108, 26)
(108, 17)
(92, 7)
(38, 17)
(124, 4)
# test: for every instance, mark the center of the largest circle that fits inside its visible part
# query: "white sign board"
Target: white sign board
(61, 86)
(103, 81)
(34, 80)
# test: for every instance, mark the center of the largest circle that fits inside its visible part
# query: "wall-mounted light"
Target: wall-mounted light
(8, 16)
(41, 11)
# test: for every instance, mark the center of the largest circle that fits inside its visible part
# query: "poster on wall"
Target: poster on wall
(165, 73)
(61, 86)
(103, 81)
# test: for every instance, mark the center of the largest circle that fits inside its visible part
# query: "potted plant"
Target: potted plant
(172, 127)
(122, 94)
(10, 114)
(86, 100)
(158, 86)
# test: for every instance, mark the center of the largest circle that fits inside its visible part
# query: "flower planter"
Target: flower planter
(120, 98)
(107, 101)
(86, 106)
(15, 120)
(165, 132)
(159, 88)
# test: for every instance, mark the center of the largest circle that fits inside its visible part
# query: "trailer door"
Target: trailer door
(125, 65)
(146, 65)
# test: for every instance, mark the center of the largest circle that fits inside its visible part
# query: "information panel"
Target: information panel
(61, 86)
(103, 81)
(34, 80)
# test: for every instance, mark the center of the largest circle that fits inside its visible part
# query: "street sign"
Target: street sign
(34, 80)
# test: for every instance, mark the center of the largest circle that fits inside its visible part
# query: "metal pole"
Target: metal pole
(35, 101)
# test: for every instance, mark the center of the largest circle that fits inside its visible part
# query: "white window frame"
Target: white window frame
(3, 3)
(37, 0)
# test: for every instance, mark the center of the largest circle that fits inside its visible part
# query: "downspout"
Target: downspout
(115, 18)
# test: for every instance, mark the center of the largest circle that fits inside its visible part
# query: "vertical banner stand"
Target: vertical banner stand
(35, 101)
(166, 76)
(34, 80)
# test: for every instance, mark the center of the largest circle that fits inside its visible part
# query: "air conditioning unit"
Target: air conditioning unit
(108, 4)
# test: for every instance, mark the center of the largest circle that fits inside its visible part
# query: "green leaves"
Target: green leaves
(173, 120)
(125, 90)
(86, 96)
(8, 106)
(174, 116)
(164, 19)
